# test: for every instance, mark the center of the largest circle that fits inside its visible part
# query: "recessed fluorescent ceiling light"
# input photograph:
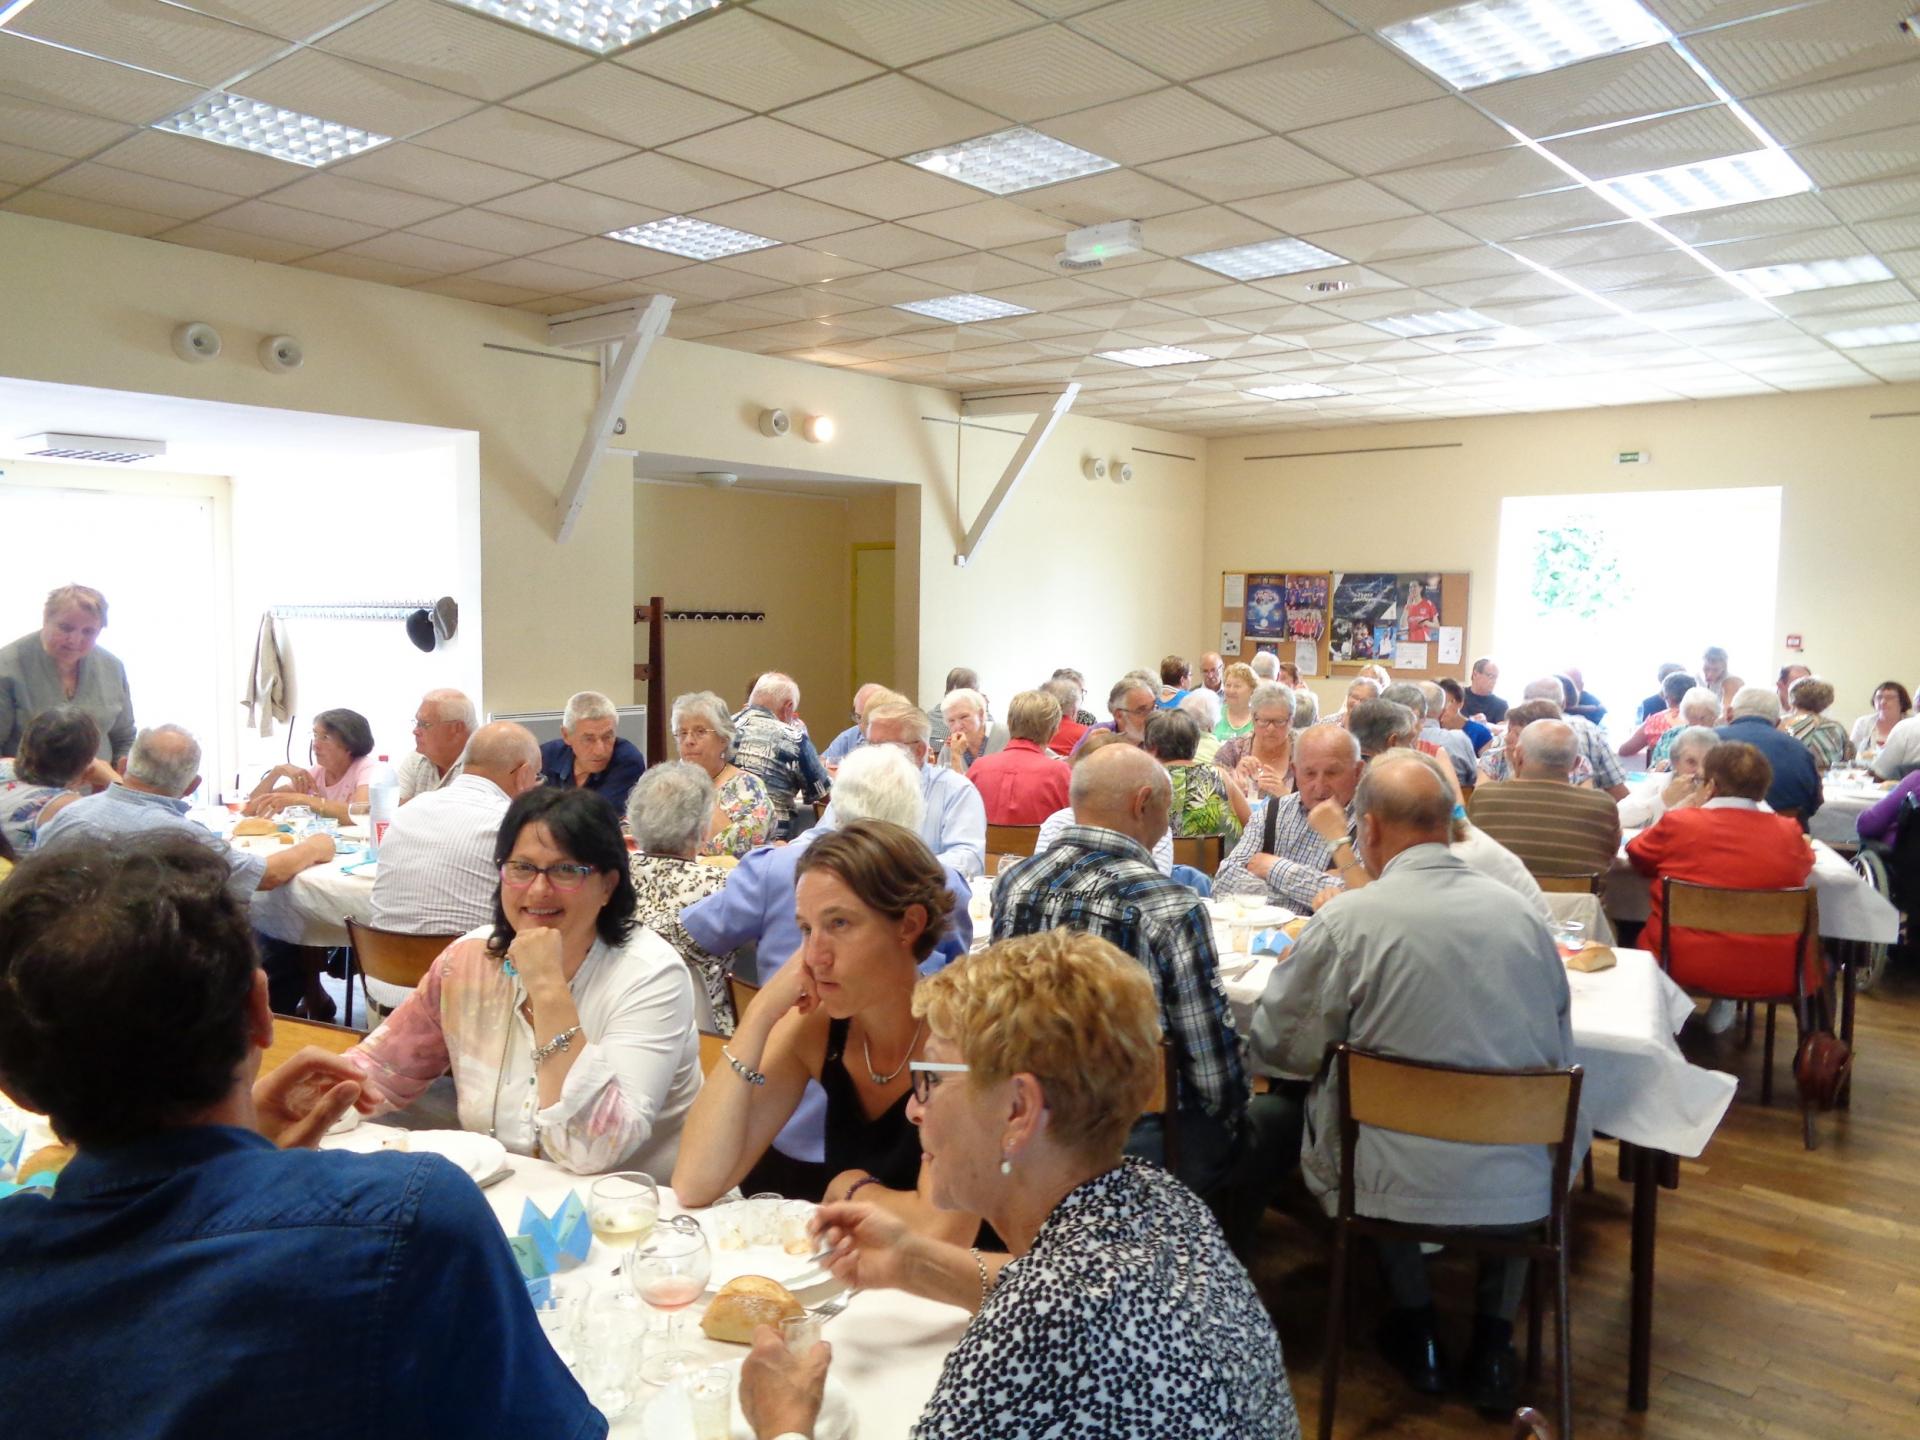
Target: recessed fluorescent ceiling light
(1302, 391)
(1434, 322)
(1873, 335)
(964, 309)
(1265, 258)
(11, 8)
(1150, 355)
(1816, 274)
(1478, 44)
(1730, 180)
(695, 239)
(601, 27)
(1009, 161)
(268, 130)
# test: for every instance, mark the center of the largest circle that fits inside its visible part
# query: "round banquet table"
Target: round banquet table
(312, 908)
(1843, 799)
(1850, 908)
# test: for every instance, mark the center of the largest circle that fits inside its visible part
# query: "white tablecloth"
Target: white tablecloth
(1638, 1085)
(314, 906)
(1584, 908)
(1850, 909)
(1842, 802)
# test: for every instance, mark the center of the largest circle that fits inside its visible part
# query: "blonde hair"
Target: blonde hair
(76, 597)
(1033, 715)
(1242, 672)
(1066, 1007)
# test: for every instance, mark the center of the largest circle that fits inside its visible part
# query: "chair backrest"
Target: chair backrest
(291, 1035)
(392, 958)
(1569, 884)
(1012, 839)
(742, 992)
(1165, 1102)
(710, 1048)
(1726, 911)
(1202, 852)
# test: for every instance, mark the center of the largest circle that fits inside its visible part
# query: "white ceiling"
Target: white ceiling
(1233, 121)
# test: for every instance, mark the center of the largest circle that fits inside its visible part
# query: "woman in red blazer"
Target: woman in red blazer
(1719, 835)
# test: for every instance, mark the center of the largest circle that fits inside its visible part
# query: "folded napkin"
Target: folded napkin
(560, 1239)
(1271, 942)
(41, 1183)
(533, 1270)
(10, 1147)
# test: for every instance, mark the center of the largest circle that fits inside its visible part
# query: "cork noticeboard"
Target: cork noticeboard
(1275, 605)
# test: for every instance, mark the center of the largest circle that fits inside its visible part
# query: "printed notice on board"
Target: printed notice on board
(1306, 657)
(1447, 649)
(1229, 637)
(1233, 593)
(1410, 655)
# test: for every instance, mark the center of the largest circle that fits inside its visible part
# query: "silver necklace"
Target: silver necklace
(867, 1055)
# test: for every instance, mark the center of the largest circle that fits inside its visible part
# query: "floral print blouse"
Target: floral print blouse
(1826, 739)
(749, 816)
(666, 885)
(1200, 804)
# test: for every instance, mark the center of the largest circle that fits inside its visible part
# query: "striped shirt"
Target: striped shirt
(1554, 827)
(1597, 759)
(1104, 883)
(1301, 858)
(436, 874)
(784, 759)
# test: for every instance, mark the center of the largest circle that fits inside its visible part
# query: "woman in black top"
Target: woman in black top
(872, 902)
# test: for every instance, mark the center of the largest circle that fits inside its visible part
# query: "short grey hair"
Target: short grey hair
(1435, 697)
(164, 758)
(1702, 702)
(1066, 692)
(1547, 687)
(1204, 706)
(1306, 708)
(878, 782)
(1271, 695)
(1692, 737)
(965, 695)
(589, 705)
(1756, 700)
(452, 707)
(1265, 664)
(1547, 750)
(1375, 724)
(703, 705)
(1396, 801)
(670, 807)
(1372, 687)
(919, 724)
(1405, 692)
(1126, 685)
(773, 690)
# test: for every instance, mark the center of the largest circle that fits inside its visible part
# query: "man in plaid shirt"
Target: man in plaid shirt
(1099, 877)
(1294, 845)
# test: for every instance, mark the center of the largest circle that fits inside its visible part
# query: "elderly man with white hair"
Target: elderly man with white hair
(1359, 691)
(851, 738)
(768, 742)
(971, 732)
(1426, 700)
(876, 782)
(1553, 825)
(1592, 740)
(953, 820)
(1756, 722)
(1297, 848)
(443, 722)
(590, 752)
(1266, 665)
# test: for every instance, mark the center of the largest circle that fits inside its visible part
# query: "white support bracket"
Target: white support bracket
(632, 330)
(1050, 405)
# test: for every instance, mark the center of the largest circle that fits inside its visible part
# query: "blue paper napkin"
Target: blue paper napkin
(1270, 942)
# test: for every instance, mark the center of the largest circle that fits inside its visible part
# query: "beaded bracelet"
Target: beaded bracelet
(980, 1264)
(562, 1041)
(752, 1077)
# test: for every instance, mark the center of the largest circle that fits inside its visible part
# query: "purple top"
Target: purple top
(1877, 820)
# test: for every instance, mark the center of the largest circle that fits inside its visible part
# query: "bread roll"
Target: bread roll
(255, 825)
(745, 1304)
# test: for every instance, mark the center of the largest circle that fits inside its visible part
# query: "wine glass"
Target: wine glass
(622, 1208)
(611, 1336)
(668, 1271)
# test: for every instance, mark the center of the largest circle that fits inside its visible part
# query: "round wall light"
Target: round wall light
(818, 428)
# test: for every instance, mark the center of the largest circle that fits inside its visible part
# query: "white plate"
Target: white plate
(479, 1155)
(796, 1272)
(1226, 912)
(669, 1418)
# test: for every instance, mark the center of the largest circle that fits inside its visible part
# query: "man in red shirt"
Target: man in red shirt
(1071, 730)
(1024, 783)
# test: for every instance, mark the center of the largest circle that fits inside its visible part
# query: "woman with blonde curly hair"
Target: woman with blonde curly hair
(1119, 1309)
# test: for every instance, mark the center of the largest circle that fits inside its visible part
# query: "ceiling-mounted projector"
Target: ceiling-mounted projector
(1094, 246)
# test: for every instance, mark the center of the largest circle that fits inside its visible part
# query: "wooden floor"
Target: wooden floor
(1788, 1299)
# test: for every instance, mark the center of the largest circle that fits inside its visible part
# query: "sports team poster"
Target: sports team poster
(1306, 606)
(1266, 617)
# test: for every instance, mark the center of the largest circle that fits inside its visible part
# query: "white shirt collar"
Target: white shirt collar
(1730, 802)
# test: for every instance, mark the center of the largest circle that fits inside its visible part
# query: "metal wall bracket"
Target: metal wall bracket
(1051, 405)
(625, 334)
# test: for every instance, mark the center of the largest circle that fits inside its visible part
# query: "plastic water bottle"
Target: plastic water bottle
(383, 798)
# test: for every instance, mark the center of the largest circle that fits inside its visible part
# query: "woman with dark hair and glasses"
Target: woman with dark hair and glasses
(568, 1030)
(343, 767)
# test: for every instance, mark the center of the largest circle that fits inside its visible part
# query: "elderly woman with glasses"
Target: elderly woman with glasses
(667, 816)
(569, 1031)
(1118, 1309)
(971, 730)
(1262, 759)
(742, 811)
(343, 767)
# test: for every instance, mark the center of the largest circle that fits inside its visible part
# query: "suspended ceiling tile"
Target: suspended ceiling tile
(578, 210)
(1898, 234)
(902, 32)
(1111, 195)
(353, 94)
(884, 289)
(131, 191)
(892, 115)
(1903, 262)
(972, 274)
(483, 292)
(74, 210)
(1600, 242)
(30, 70)
(145, 33)
(709, 282)
(195, 162)
(1210, 227)
(607, 99)
(357, 200)
(747, 60)
(1334, 82)
(288, 19)
(1607, 91)
(202, 236)
(888, 247)
(22, 166)
(443, 176)
(1740, 222)
(661, 180)
(1847, 105)
(1815, 42)
(1443, 129)
(1166, 277)
(1185, 39)
(1254, 167)
(1888, 294)
(61, 132)
(1533, 214)
(987, 224)
(1521, 285)
(612, 258)
(1449, 267)
(1038, 73)
(1825, 243)
(1227, 300)
(888, 191)
(526, 143)
(538, 276)
(1324, 207)
(1894, 151)
(796, 265)
(771, 152)
(488, 230)
(1059, 293)
(452, 48)
(1683, 139)
(782, 216)
(441, 257)
(1151, 127)
(1476, 180)
(1389, 239)
(364, 267)
(1632, 270)
(302, 227)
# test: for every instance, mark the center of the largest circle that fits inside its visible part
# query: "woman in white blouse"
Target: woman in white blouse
(569, 1032)
(1891, 705)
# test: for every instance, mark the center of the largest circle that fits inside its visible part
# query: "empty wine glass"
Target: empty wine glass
(668, 1271)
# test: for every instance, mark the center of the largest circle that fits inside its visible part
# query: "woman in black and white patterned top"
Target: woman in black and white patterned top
(1120, 1310)
(667, 818)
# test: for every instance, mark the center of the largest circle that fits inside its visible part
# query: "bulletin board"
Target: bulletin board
(1295, 612)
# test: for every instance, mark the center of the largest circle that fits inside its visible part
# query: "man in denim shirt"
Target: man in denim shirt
(187, 1277)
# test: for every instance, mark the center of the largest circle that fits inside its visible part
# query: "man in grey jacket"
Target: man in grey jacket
(1431, 961)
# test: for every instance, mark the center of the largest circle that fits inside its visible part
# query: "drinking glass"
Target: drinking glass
(622, 1208)
(358, 811)
(710, 1398)
(802, 1333)
(1569, 935)
(611, 1340)
(795, 1221)
(668, 1271)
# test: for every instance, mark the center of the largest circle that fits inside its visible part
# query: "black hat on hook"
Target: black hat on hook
(420, 629)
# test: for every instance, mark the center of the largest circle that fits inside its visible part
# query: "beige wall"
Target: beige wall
(1849, 521)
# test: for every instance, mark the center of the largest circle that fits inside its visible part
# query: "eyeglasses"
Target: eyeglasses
(1135, 710)
(420, 727)
(1272, 724)
(927, 1076)
(681, 737)
(567, 876)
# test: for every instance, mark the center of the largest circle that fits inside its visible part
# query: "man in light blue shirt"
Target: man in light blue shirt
(854, 736)
(954, 816)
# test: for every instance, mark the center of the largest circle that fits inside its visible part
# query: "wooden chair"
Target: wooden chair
(710, 1048)
(1012, 839)
(1571, 884)
(1202, 852)
(1469, 1107)
(390, 958)
(1719, 910)
(742, 992)
(291, 1035)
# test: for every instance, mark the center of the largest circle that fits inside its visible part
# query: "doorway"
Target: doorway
(873, 654)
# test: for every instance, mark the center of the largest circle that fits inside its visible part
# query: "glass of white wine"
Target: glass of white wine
(622, 1208)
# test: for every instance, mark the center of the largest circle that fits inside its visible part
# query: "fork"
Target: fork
(832, 1306)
